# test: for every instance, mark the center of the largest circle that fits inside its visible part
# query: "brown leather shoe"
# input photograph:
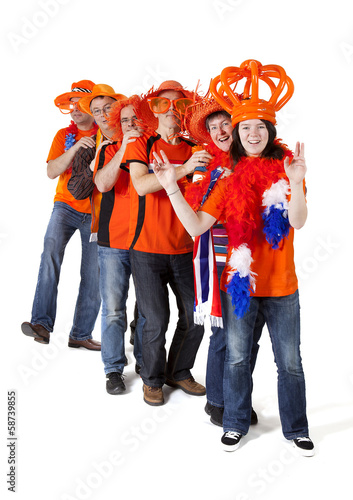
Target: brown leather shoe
(90, 344)
(153, 395)
(38, 332)
(189, 386)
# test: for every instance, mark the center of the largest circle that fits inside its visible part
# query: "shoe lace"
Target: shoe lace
(153, 389)
(232, 434)
(115, 377)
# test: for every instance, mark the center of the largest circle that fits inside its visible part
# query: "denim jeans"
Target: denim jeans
(282, 316)
(152, 273)
(216, 358)
(64, 221)
(114, 278)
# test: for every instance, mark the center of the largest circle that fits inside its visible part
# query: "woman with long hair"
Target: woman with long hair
(263, 202)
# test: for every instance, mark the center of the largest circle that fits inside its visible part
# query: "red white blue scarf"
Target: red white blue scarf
(207, 296)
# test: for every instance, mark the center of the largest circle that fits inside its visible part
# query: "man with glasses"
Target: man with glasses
(160, 248)
(68, 215)
(116, 118)
(97, 104)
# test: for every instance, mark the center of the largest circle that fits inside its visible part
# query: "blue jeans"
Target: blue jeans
(115, 272)
(152, 273)
(216, 357)
(64, 221)
(282, 316)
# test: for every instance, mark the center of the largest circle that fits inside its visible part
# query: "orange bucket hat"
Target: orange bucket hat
(99, 90)
(144, 111)
(115, 112)
(78, 89)
(252, 106)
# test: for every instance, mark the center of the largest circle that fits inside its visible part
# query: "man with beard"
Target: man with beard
(160, 248)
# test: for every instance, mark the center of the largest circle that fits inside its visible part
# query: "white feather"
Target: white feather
(277, 195)
(240, 260)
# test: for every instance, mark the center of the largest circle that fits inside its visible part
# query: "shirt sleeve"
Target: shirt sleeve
(215, 203)
(137, 151)
(106, 153)
(58, 145)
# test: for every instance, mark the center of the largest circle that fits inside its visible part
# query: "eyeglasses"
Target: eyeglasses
(68, 107)
(125, 121)
(105, 110)
(162, 104)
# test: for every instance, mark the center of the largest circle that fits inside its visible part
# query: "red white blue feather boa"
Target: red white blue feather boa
(255, 197)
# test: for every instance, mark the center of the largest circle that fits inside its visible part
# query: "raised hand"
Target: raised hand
(103, 143)
(296, 169)
(131, 136)
(165, 171)
(85, 142)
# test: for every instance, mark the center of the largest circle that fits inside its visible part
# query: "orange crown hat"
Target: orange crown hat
(78, 89)
(144, 111)
(252, 107)
(99, 90)
(196, 115)
(115, 112)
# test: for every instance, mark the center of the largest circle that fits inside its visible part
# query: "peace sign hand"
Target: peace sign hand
(165, 171)
(296, 169)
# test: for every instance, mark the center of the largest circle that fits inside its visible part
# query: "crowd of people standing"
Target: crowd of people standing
(193, 194)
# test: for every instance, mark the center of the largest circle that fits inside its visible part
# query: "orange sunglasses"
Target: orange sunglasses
(68, 107)
(162, 104)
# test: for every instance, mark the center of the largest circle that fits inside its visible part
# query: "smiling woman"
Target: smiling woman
(220, 128)
(253, 136)
(258, 284)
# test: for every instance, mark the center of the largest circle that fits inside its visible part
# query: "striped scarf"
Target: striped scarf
(207, 296)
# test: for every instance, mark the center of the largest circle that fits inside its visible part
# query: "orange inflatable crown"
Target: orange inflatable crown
(251, 106)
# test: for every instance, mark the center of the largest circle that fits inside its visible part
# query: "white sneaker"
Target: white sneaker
(231, 440)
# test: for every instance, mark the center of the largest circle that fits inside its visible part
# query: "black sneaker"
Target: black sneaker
(115, 383)
(254, 419)
(215, 413)
(217, 416)
(304, 445)
(208, 408)
(231, 440)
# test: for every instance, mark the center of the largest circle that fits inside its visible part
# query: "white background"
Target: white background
(74, 440)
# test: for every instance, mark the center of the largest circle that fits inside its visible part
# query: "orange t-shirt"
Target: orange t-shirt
(115, 204)
(154, 226)
(275, 269)
(62, 193)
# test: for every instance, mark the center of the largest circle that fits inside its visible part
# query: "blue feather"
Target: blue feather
(239, 289)
(69, 141)
(276, 225)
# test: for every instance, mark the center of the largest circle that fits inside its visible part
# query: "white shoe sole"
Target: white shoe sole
(230, 447)
(302, 452)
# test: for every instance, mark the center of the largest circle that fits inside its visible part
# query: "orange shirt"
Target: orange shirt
(154, 226)
(275, 270)
(115, 204)
(62, 193)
